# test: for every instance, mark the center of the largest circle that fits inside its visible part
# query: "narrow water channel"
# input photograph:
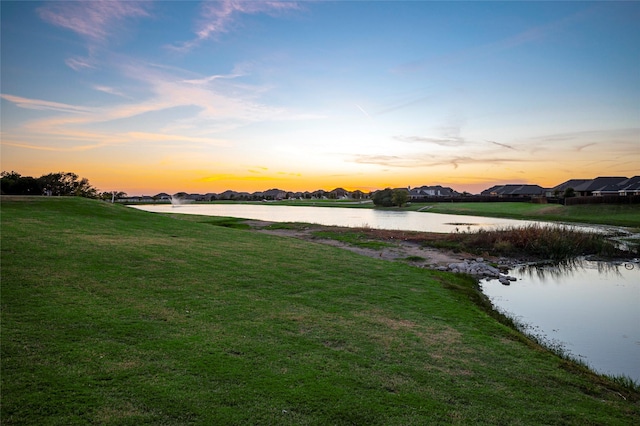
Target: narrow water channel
(341, 216)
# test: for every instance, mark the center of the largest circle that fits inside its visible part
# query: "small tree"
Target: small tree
(569, 192)
(400, 197)
(112, 195)
(383, 197)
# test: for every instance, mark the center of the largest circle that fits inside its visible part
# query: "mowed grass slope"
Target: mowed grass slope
(111, 315)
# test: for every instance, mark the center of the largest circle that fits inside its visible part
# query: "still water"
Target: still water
(590, 309)
(340, 216)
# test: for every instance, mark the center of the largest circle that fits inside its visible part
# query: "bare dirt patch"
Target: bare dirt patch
(401, 245)
(554, 209)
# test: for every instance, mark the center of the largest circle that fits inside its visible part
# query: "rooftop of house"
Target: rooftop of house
(599, 183)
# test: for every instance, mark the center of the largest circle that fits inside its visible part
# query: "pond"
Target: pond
(341, 216)
(588, 309)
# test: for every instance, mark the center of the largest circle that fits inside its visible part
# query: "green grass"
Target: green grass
(115, 316)
(288, 225)
(605, 214)
(227, 222)
(355, 238)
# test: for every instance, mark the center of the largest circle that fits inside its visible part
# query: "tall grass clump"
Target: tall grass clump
(547, 242)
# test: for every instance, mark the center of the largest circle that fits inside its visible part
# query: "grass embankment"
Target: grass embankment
(603, 214)
(111, 315)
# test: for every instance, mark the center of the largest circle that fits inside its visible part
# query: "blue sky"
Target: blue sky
(168, 96)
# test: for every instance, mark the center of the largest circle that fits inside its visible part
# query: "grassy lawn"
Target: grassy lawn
(111, 315)
(606, 214)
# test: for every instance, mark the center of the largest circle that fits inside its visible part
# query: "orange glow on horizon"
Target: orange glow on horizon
(141, 183)
(150, 177)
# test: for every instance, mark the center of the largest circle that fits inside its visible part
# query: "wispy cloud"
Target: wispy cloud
(79, 63)
(75, 140)
(504, 145)
(218, 17)
(443, 141)
(51, 148)
(209, 109)
(399, 101)
(362, 110)
(449, 135)
(211, 78)
(583, 146)
(583, 139)
(111, 91)
(425, 160)
(413, 100)
(173, 138)
(40, 104)
(95, 20)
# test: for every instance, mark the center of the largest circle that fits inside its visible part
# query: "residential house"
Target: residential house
(514, 191)
(195, 197)
(319, 194)
(147, 199)
(358, 195)
(600, 185)
(431, 191)
(180, 195)
(607, 190)
(491, 192)
(630, 187)
(163, 196)
(274, 194)
(559, 190)
(338, 193)
(228, 195)
(299, 195)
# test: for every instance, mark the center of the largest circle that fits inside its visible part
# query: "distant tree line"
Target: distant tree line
(58, 184)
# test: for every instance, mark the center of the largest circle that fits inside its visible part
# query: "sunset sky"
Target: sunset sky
(149, 97)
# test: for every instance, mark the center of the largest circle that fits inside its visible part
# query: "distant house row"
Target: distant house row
(600, 186)
(269, 195)
(278, 194)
